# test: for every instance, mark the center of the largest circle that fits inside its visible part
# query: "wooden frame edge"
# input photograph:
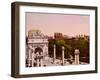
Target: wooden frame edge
(15, 39)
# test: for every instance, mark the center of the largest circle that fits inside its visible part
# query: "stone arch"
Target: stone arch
(38, 49)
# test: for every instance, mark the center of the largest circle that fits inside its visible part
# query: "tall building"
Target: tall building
(58, 35)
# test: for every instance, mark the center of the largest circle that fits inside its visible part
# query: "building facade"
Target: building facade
(36, 49)
(58, 35)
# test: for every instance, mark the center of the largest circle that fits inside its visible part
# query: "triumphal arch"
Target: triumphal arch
(36, 48)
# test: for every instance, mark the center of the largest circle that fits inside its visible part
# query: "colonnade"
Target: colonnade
(36, 59)
(76, 52)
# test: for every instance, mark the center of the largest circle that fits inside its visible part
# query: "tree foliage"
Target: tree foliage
(69, 47)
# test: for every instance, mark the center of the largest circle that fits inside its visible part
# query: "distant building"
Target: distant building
(58, 35)
(50, 37)
(85, 37)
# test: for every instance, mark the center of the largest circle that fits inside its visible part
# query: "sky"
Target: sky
(48, 24)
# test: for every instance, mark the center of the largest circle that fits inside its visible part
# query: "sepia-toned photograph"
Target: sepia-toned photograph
(56, 39)
(53, 39)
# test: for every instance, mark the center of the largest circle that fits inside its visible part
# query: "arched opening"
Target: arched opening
(39, 56)
(39, 50)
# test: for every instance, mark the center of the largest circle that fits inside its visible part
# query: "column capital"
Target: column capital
(63, 48)
(77, 51)
(54, 46)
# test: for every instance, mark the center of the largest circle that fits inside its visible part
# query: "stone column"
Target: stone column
(62, 55)
(41, 60)
(33, 58)
(76, 56)
(37, 61)
(29, 57)
(54, 55)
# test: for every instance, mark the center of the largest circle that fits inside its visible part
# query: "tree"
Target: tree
(67, 48)
(83, 45)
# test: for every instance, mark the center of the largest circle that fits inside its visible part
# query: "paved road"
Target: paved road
(49, 62)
